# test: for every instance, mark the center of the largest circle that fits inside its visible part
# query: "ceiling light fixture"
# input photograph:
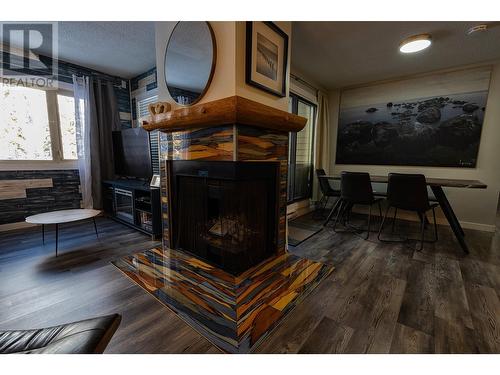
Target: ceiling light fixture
(415, 43)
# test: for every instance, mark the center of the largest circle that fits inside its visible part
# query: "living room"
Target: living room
(251, 187)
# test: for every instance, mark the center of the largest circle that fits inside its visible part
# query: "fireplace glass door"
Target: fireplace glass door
(227, 221)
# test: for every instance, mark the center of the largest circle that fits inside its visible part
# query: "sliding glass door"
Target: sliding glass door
(300, 152)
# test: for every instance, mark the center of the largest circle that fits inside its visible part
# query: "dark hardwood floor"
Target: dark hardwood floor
(37, 289)
(382, 297)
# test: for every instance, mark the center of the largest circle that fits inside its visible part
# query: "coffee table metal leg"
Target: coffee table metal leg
(57, 236)
(43, 234)
(95, 227)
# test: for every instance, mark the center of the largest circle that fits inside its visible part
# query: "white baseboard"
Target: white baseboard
(14, 226)
(440, 220)
(478, 226)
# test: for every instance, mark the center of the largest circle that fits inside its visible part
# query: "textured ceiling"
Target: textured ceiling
(339, 54)
(333, 54)
(124, 49)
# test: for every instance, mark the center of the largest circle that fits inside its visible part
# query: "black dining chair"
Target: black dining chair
(409, 192)
(356, 188)
(327, 191)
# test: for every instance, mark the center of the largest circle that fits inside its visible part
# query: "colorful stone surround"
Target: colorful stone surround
(228, 143)
(233, 312)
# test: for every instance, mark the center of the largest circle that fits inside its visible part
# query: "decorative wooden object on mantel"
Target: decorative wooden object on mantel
(158, 108)
(231, 110)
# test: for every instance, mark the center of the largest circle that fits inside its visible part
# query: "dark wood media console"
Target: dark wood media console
(134, 203)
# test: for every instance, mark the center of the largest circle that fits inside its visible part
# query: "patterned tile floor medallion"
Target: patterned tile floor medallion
(233, 312)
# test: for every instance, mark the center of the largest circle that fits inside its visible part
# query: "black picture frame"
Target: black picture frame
(249, 54)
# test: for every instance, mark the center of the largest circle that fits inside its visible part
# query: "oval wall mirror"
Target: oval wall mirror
(190, 61)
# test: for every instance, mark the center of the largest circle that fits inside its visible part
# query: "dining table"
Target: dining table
(437, 185)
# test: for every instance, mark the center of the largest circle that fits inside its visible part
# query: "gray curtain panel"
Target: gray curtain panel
(322, 157)
(104, 118)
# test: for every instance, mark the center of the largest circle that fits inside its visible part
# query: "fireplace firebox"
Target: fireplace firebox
(224, 212)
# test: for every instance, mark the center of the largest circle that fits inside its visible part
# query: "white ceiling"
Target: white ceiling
(339, 54)
(333, 54)
(124, 49)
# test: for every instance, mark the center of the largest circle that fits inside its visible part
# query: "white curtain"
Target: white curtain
(81, 88)
(322, 157)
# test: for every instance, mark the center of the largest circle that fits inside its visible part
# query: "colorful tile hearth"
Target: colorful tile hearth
(233, 312)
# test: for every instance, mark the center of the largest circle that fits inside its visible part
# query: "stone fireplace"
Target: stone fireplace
(232, 159)
(223, 267)
(224, 212)
(233, 165)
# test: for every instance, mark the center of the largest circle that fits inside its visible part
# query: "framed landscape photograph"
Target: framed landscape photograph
(266, 57)
(433, 120)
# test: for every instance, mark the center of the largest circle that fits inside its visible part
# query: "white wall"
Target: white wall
(250, 92)
(224, 79)
(474, 208)
(229, 76)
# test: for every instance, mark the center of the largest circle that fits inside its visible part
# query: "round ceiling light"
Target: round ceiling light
(415, 43)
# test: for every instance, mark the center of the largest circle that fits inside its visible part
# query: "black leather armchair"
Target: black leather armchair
(89, 336)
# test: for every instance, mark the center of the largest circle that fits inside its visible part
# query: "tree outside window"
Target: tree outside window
(36, 124)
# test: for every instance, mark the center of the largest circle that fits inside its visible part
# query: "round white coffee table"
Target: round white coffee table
(63, 216)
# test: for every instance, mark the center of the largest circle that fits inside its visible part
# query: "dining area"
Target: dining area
(400, 192)
(413, 193)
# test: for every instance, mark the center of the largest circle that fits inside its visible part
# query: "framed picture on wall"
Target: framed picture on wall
(266, 57)
(433, 120)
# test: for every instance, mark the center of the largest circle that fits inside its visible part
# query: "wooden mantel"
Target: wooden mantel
(231, 110)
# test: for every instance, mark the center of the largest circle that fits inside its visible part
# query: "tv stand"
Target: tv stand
(133, 203)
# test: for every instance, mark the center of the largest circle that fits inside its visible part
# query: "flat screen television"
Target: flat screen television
(132, 154)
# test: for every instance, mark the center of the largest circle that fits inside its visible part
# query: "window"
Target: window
(66, 106)
(142, 110)
(25, 133)
(142, 106)
(36, 125)
(300, 151)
